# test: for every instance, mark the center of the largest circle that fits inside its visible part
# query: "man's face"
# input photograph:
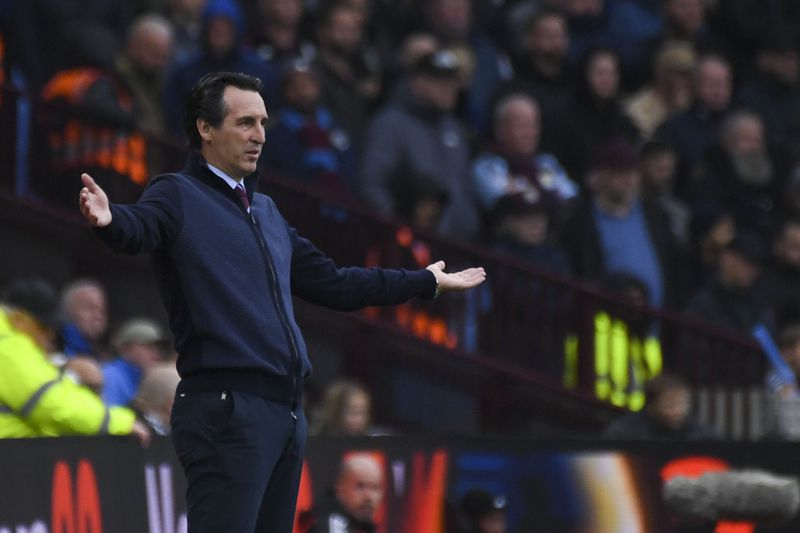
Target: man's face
(235, 145)
(617, 186)
(713, 85)
(343, 32)
(142, 355)
(518, 130)
(603, 75)
(687, 15)
(658, 170)
(355, 418)
(360, 489)
(151, 51)
(549, 38)
(452, 18)
(671, 408)
(87, 310)
(221, 36)
(302, 91)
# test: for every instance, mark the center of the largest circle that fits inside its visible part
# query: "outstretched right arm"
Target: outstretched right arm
(141, 227)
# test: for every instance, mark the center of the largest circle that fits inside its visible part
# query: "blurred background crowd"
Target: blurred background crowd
(649, 146)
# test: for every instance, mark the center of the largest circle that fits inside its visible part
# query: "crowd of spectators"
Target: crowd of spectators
(657, 139)
(589, 137)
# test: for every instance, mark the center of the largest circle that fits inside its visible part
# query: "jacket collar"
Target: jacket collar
(197, 167)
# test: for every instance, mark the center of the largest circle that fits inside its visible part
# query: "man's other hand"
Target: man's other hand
(457, 281)
(93, 203)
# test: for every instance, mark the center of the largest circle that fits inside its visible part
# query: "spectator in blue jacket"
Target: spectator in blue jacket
(227, 265)
(221, 50)
(140, 346)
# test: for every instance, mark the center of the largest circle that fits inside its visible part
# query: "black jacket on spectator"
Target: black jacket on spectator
(581, 239)
(331, 517)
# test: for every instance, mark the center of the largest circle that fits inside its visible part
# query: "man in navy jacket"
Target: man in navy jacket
(227, 264)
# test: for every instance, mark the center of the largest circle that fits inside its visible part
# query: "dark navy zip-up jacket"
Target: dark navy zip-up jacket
(227, 279)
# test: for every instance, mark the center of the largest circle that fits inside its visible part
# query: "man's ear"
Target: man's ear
(204, 128)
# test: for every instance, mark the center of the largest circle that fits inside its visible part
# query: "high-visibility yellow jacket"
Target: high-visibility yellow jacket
(37, 401)
(623, 362)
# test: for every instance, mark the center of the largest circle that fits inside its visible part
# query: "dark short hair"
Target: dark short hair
(205, 101)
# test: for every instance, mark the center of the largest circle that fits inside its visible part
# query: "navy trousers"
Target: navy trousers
(242, 455)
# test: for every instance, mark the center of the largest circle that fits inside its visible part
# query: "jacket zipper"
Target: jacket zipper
(279, 307)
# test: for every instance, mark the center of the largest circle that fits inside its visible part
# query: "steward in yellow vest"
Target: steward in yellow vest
(626, 350)
(36, 399)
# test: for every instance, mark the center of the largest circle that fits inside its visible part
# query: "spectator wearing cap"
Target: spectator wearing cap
(221, 50)
(35, 398)
(417, 134)
(513, 164)
(351, 505)
(481, 511)
(520, 228)
(773, 92)
(613, 229)
(140, 345)
(740, 174)
(694, 130)
(484, 66)
(734, 300)
(306, 143)
(670, 91)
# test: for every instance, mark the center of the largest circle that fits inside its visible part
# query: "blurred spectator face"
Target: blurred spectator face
(658, 171)
(583, 8)
(528, 229)
(415, 46)
(788, 246)
(86, 308)
(221, 37)
(452, 19)
(548, 38)
(359, 488)
(671, 408)
(281, 12)
(518, 127)
(743, 139)
(342, 33)
(736, 271)
(426, 212)
(155, 396)
(438, 92)
(355, 414)
(150, 48)
(493, 523)
(746, 135)
(603, 75)
(143, 355)
(713, 84)
(302, 90)
(685, 15)
(616, 186)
